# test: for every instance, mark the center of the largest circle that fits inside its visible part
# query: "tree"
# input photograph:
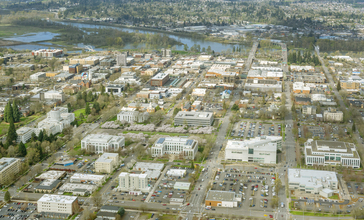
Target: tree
(338, 86)
(192, 165)
(12, 136)
(96, 106)
(185, 47)
(235, 107)
(40, 136)
(97, 200)
(16, 113)
(353, 127)
(52, 63)
(9, 113)
(7, 196)
(87, 109)
(121, 211)
(293, 108)
(22, 149)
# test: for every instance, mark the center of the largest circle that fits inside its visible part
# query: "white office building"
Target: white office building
(88, 178)
(100, 143)
(107, 162)
(255, 150)
(194, 118)
(24, 134)
(57, 119)
(333, 153)
(312, 181)
(57, 204)
(133, 182)
(132, 115)
(175, 145)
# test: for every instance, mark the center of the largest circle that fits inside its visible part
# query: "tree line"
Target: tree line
(300, 57)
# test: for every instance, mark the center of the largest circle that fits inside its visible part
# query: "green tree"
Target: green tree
(192, 165)
(121, 211)
(87, 109)
(338, 86)
(293, 108)
(353, 128)
(235, 107)
(12, 136)
(6, 112)
(185, 47)
(9, 113)
(7, 196)
(22, 149)
(96, 106)
(16, 112)
(40, 136)
(176, 110)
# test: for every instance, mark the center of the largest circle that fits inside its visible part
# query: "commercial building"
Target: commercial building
(257, 150)
(24, 134)
(182, 186)
(53, 96)
(265, 73)
(153, 170)
(107, 162)
(133, 182)
(300, 88)
(331, 114)
(160, 79)
(199, 92)
(263, 85)
(222, 198)
(175, 145)
(9, 167)
(121, 59)
(36, 77)
(100, 143)
(194, 118)
(57, 119)
(132, 115)
(48, 53)
(88, 178)
(57, 204)
(51, 175)
(114, 88)
(350, 86)
(311, 181)
(176, 173)
(48, 186)
(333, 153)
(77, 189)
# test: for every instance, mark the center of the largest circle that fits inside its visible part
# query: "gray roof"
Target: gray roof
(48, 187)
(110, 207)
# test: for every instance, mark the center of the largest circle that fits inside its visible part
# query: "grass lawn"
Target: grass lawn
(78, 112)
(113, 118)
(335, 196)
(67, 193)
(318, 214)
(145, 215)
(167, 217)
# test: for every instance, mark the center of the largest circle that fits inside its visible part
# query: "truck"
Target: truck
(282, 205)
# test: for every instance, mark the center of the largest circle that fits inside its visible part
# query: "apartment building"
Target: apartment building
(9, 167)
(133, 182)
(107, 162)
(350, 85)
(100, 143)
(257, 150)
(175, 145)
(333, 153)
(57, 204)
(194, 118)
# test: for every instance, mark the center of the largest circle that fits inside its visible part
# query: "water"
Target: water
(44, 36)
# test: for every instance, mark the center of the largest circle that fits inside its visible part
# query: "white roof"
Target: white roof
(261, 143)
(51, 174)
(91, 177)
(182, 184)
(57, 199)
(312, 178)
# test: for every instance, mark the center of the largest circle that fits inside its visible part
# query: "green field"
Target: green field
(8, 30)
(78, 112)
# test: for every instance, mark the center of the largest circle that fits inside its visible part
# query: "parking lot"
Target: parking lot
(355, 188)
(17, 211)
(256, 187)
(245, 129)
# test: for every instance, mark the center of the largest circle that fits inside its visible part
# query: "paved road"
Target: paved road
(251, 56)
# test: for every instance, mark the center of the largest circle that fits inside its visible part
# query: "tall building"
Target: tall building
(9, 167)
(106, 163)
(333, 153)
(133, 182)
(175, 145)
(100, 143)
(57, 204)
(194, 118)
(257, 150)
(24, 134)
(121, 59)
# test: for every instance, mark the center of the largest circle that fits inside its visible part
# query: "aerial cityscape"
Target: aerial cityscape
(181, 109)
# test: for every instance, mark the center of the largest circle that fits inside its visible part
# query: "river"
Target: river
(42, 36)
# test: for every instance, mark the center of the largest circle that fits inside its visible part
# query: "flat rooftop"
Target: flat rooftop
(194, 115)
(83, 176)
(144, 166)
(51, 174)
(6, 161)
(217, 195)
(313, 178)
(57, 199)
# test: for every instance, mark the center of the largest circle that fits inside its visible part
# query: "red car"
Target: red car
(270, 216)
(188, 203)
(164, 204)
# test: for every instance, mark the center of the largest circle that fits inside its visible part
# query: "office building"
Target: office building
(100, 143)
(133, 182)
(263, 85)
(176, 173)
(48, 53)
(88, 178)
(333, 115)
(48, 186)
(132, 115)
(57, 204)
(309, 110)
(77, 189)
(51, 175)
(160, 79)
(318, 152)
(153, 170)
(216, 198)
(194, 118)
(9, 167)
(107, 162)
(24, 134)
(57, 119)
(175, 145)
(37, 77)
(312, 181)
(257, 150)
(115, 88)
(121, 59)
(182, 185)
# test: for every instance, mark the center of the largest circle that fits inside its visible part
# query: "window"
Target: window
(251, 151)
